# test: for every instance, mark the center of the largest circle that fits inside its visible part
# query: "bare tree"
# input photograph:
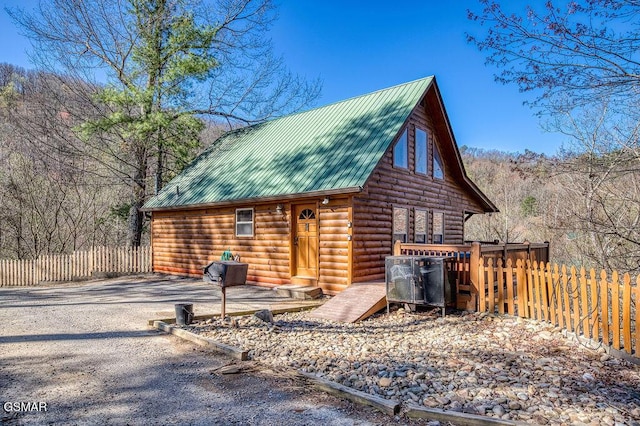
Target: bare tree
(600, 182)
(52, 201)
(581, 59)
(167, 64)
(569, 53)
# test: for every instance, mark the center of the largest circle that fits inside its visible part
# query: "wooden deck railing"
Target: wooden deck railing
(75, 266)
(599, 307)
(470, 254)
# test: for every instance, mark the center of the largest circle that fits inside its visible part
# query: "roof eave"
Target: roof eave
(256, 200)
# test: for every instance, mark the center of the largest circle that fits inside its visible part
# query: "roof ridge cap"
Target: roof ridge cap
(331, 104)
(372, 93)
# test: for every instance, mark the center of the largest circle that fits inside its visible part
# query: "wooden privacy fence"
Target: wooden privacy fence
(75, 266)
(595, 306)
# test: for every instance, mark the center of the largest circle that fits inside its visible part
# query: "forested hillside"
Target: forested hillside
(586, 204)
(53, 200)
(60, 193)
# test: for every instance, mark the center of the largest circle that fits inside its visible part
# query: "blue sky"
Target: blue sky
(356, 47)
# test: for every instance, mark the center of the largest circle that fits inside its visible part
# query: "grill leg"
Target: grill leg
(224, 303)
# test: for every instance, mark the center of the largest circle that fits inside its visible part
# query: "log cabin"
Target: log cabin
(319, 197)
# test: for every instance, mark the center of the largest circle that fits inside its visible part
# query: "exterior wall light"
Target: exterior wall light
(279, 209)
(325, 201)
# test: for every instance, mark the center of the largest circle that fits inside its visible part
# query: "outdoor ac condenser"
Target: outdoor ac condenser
(420, 280)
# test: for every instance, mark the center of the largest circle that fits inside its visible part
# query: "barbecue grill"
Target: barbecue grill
(225, 273)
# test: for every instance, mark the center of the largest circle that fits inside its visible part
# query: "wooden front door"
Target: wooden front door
(305, 241)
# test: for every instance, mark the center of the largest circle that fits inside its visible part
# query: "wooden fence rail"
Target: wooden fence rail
(595, 306)
(75, 266)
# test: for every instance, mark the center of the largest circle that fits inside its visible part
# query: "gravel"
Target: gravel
(85, 350)
(502, 367)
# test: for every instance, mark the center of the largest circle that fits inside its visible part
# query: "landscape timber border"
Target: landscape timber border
(387, 406)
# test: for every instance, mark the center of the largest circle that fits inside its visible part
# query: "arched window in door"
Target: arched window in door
(307, 214)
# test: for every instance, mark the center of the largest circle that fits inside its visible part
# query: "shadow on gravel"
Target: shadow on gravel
(90, 369)
(131, 290)
(181, 388)
(78, 336)
(80, 389)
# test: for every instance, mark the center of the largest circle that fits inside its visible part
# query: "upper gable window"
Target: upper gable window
(437, 165)
(401, 152)
(421, 151)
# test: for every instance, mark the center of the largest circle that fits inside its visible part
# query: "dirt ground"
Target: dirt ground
(84, 350)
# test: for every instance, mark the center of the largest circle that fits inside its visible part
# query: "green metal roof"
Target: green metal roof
(335, 147)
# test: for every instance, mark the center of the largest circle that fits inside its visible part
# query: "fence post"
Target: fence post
(615, 309)
(474, 271)
(480, 274)
(626, 313)
(509, 287)
(523, 305)
(548, 251)
(637, 351)
(500, 283)
(505, 253)
(595, 309)
(90, 265)
(397, 248)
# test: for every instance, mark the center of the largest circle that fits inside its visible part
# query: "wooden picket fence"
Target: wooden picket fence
(469, 254)
(595, 306)
(78, 265)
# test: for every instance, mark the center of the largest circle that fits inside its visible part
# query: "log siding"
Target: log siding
(187, 240)
(390, 187)
(334, 248)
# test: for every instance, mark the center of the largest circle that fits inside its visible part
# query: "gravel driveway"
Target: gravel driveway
(85, 351)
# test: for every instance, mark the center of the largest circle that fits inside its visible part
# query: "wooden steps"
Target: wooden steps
(299, 291)
(355, 303)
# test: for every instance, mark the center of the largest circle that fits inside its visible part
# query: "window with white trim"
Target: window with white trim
(438, 227)
(401, 152)
(400, 224)
(420, 226)
(244, 222)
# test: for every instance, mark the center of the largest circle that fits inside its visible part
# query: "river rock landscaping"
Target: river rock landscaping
(502, 367)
